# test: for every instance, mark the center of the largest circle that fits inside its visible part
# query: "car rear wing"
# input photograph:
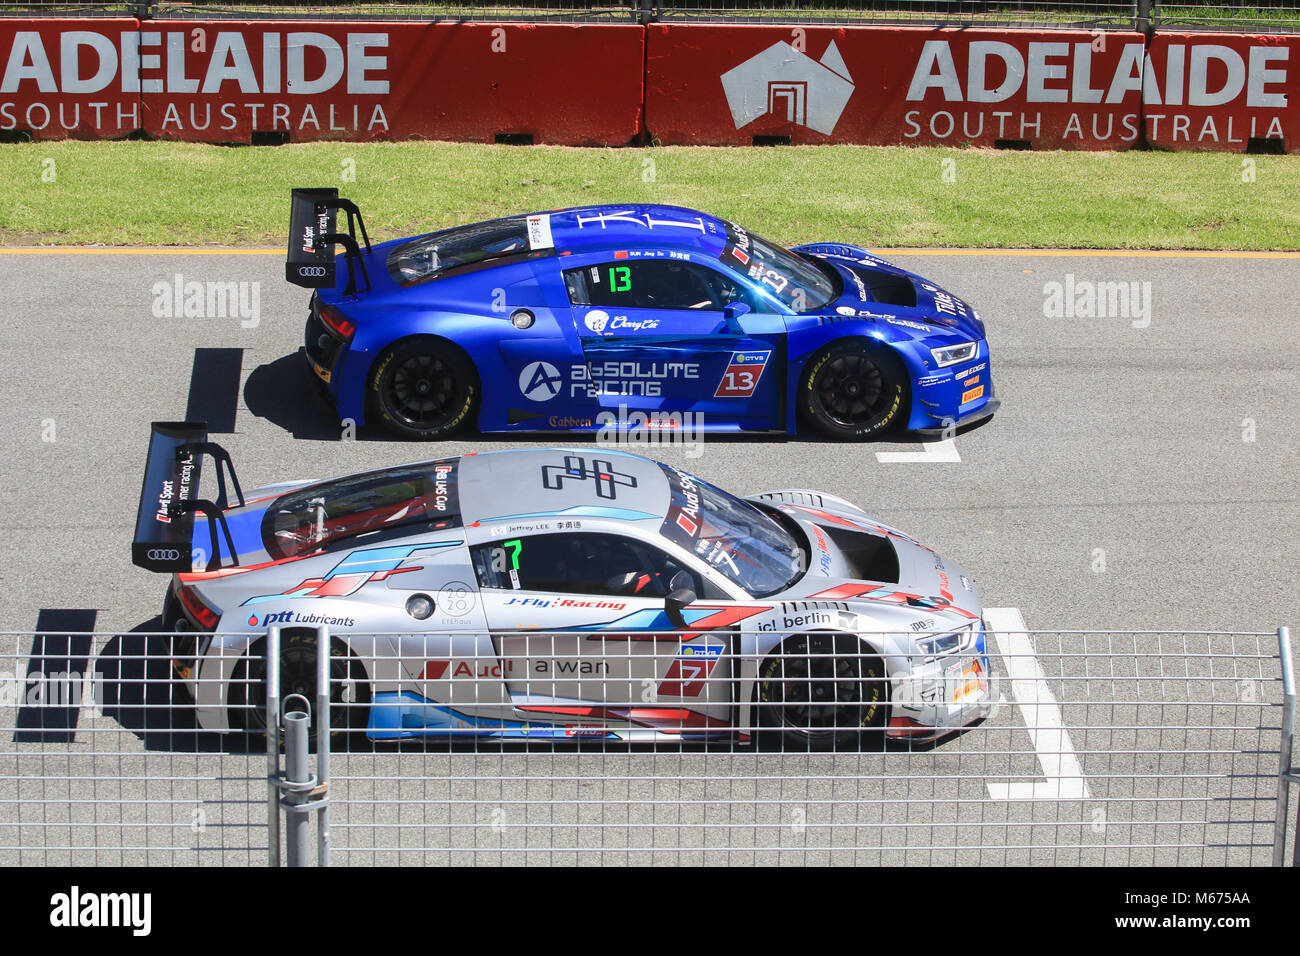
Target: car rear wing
(164, 525)
(311, 262)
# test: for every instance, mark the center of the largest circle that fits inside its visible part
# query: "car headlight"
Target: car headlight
(938, 644)
(952, 354)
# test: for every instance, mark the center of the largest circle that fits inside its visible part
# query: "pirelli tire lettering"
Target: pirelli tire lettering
(850, 390)
(822, 690)
(423, 388)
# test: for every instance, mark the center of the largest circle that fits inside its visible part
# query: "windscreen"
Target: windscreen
(434, 255)
(795, 282)
(740, 540)
(324, 514)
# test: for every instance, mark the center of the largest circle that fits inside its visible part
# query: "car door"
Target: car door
(576, 617)
(663, 333)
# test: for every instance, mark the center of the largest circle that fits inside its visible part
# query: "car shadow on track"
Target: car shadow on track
(286, 394)
(138, 689)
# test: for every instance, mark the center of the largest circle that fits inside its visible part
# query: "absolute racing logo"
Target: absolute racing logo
(542, 381)
(786, 83)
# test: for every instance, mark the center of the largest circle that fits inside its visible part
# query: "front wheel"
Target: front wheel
(822, 692)
(851, 391)
(423, 389)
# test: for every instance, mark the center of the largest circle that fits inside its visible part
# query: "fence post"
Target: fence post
(297, 775)
(273, 745)
(1142, 16)
(323, 743)
(1286, 774)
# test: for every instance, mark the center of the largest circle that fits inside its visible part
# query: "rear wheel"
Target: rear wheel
(349, 689)
(822, 691)
(423, 388)
(851, 391)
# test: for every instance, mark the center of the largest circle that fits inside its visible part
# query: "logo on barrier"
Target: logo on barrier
(783, 82)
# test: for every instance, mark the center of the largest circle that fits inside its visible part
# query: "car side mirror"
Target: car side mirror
(732, 312)
(675, 602)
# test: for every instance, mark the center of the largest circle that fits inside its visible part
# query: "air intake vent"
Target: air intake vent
(870, 556)
(887, 287)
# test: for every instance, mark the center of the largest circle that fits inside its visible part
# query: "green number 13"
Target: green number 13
(620, 279)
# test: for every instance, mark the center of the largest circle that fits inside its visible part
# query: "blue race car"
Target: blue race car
(581, 318)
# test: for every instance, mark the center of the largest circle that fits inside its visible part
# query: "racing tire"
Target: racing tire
(349, 687)
(423, 388)
(820, 692)
(850, 391)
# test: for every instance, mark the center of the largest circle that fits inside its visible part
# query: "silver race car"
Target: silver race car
(559, 593)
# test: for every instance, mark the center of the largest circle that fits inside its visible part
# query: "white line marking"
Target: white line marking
(937, 452)
(1056, 756)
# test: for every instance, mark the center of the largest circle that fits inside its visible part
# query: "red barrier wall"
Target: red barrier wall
(219, 81)
(728, 84)
(1214, 91)
(64, 78)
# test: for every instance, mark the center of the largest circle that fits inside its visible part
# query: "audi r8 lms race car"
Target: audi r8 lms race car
(584, 318)
(557, 593)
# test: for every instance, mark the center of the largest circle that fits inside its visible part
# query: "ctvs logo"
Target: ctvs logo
(789, 84)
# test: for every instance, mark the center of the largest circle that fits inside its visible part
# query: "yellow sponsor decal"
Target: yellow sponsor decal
(971, 394)
(976, 683)
(972, 380)
(323, 373)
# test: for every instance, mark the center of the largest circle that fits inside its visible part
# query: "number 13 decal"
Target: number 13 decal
(742, 374)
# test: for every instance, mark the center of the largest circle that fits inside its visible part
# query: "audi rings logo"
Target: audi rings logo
(311, 271)
(163, 554)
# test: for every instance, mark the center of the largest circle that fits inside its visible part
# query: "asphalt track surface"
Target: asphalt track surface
(1135, 479)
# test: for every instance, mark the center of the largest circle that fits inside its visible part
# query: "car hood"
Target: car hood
(857, 559)
(876, 289)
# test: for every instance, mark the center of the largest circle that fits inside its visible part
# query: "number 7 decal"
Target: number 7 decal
(690, 669)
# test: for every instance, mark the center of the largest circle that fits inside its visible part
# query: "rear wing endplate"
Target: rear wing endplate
(311, 262)
(164, 525)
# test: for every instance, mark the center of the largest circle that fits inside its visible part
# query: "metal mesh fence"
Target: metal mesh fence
(1241, 15)
(1101, 749)
(102, 761)
(1058, 748)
